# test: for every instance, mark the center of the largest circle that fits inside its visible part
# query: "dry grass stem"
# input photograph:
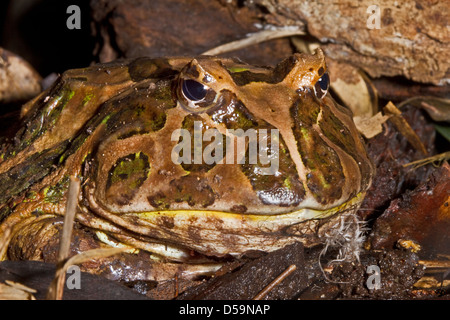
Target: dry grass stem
(4, 242)
(69, 218)
(55, 291)
(275, 282)
(255, 38)
(435, 264)
(11, 290)
(56, 288)
(436, 160)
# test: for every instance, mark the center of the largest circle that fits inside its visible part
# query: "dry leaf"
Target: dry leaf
(437, 108)
(403, 126)
(431, 282)
(372, 126)
(18, 80)
(353, 88)
(72, 201)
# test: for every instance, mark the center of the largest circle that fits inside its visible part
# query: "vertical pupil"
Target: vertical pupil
(193, 90)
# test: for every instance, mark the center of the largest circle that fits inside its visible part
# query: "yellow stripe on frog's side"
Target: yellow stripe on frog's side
(220, 233)
(284, 219)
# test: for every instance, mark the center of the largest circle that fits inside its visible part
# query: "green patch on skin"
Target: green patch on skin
(281, 189)
(105, 119)
(162, 93)
(30, 196)
(158, 122)
(38, 212)
(159, 201)
(325, 178)
(63, 100)
(4, 212)
(237, 69)
(287, 183)
(55, 194)
(31, 170)
(234, 115)
(88, 97)
(44, 120)
(130, 171)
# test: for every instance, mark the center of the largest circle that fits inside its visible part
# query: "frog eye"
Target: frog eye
(321, 86)
(193, 90)
(195, 96)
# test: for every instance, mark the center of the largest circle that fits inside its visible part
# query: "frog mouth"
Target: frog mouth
(174, 234)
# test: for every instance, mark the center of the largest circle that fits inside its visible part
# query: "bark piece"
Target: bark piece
(412, 40)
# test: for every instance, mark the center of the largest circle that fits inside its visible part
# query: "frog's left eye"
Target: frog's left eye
(321, 86)
(195, 96)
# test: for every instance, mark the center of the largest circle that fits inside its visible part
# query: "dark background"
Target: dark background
(37, 31)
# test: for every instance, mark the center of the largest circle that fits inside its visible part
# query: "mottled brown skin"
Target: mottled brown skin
(111, 125)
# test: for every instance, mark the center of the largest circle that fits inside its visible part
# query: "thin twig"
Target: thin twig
(275, 282)
(255, 38)
(435, 264)
(4, 241)
(436, 160)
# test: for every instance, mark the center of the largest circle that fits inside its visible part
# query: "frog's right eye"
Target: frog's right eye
(193, 90)
(195, 96)
(321, 86)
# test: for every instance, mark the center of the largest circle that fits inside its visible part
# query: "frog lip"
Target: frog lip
(220, 233)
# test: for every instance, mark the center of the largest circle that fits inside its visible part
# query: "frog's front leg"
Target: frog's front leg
(37, 237)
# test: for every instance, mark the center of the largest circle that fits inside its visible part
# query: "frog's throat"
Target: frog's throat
(218, 233)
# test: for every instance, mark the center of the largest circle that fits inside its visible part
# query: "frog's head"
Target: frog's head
(168, 169)
(204, 83)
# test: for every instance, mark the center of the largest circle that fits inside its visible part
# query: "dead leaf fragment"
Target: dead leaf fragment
(353, 88)
(431, 282)
(437, 108)
(403, 126)
(372, 126)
